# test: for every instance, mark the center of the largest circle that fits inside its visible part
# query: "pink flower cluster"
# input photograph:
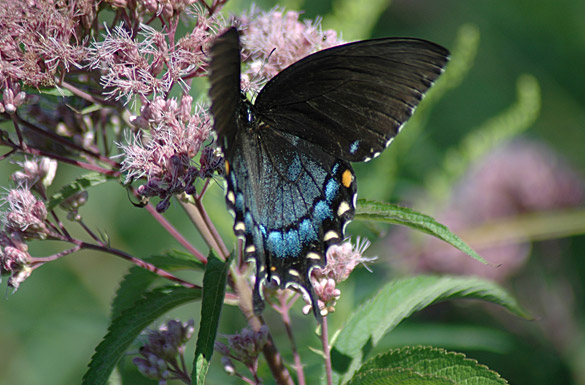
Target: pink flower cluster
(151, 64)
(276, 39)
(164, 149)
(39, 38)
(24, 217)
(342, 259)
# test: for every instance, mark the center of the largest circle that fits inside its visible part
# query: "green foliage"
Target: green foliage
(424, 365)
(214, 283)
(131, 322)
(138, 279)
(397, 377)
(398, 300)
(390, 213)
(55, 91)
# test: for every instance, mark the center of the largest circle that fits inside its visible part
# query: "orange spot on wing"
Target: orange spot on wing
(346, 178)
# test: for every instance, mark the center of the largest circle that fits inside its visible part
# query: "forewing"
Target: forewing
(352, 99)
(224, 92)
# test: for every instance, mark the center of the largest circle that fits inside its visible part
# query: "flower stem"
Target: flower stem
(137, 262)
(37, 262)
(175, 233)
(84, 95)
(293, 346)
(202, 222)
(326, 351)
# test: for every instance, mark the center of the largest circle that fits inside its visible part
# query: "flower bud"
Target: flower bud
(48, 170)
(163, 205)
(16, 279)
(228, 365)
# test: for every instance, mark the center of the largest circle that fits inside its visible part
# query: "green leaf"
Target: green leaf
(91, 108)
(390, 213)
(124, 329)
(78, 185)
(55, 91)
(434, 363)
(397, 377)
(138, 280)
(398, 300)
(214, 282)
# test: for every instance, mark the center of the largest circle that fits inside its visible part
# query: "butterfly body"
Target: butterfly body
(290, 184)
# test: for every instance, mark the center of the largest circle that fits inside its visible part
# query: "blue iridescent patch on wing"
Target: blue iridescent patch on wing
(293, 243)
(331, 190)
(240, 202)
(307, 231)
(322, 211)
(275, 244)
(287, 209)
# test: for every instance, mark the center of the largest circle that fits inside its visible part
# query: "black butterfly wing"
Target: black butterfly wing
(291, 201)
(224, 91)
(352, 99)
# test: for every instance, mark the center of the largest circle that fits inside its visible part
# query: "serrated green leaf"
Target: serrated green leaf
(139, 280)
(214, 282)
(390, 213)
(124, 329)
(80, 184)
(397, 377)
(435, 362)
(132, 286)
(180, 259)
(398, 300)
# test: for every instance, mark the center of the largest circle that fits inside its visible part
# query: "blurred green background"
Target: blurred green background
(50, 326)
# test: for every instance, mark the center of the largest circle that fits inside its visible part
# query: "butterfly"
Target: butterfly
(289, 181)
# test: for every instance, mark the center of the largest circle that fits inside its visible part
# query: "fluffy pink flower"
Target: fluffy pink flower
(164, 153)
(274, 40)
(341, 261)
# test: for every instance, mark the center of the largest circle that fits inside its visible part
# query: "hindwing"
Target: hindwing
(291, 200)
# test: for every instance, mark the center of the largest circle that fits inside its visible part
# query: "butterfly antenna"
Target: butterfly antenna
(265, 61)
(257, 78)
